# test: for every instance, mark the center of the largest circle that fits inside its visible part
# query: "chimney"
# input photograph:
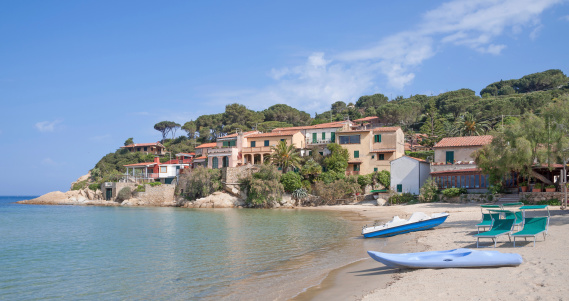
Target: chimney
(157, 160)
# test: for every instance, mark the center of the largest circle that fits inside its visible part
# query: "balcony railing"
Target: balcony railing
(310, 141)
(139, 178)
(222, 150)
(257, 149)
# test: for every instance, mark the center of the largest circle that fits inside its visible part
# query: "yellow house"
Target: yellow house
(372, 150)
(258, 146)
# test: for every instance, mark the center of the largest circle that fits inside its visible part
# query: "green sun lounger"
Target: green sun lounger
(487, 219)
(499, 227)
(533, 226)
(517, 217)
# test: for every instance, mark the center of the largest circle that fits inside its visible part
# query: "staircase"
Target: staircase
(508, 198)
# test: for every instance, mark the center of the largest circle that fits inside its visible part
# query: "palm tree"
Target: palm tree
(467, 125)
(285, 156)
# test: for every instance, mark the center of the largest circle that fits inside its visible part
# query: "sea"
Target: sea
(118, 253)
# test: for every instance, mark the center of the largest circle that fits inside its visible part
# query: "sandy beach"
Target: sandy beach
(540, 277)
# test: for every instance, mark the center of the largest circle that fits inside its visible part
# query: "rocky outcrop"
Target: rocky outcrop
(216, 200)
(72, 197)
(81, 179)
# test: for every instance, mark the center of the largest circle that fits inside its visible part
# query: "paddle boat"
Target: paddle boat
(457, 258)
(417, 222)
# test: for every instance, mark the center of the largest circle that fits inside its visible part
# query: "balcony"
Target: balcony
(352, 172)
(310, 141)
(257, 149)
(222, 151)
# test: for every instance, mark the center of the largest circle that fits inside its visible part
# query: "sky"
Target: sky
(77, 78)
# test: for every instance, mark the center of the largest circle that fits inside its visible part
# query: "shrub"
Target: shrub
(496, 188)
(364, 180)
(307, 185)
(124, 194)
(200, 183)
(152, 184)
(537, 186)
(451, 192)
(429, 192)
(263, 187)
(79, 185)
(95, 186)
(402, 198)
(330, 176)
(140, 188)
(550, 186)
(337, 190)
(384, 178)
(552, 202)
(421, 154)
(291, 181)
(523, 184)
(299, 194)
(311, 169)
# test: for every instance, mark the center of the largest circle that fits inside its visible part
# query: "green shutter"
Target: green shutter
(399, 188)
(310, 153)
(232, 142)
(253, 143)
(356, 154)
(377, 138)
(333, 137)
(314, 138)
(450, 157)
(266, 142)
(323, 135)
(225, 144)
(375, 169)
(214, 163)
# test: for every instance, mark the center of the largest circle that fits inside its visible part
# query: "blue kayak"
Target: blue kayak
(417, 222)
(457, 258)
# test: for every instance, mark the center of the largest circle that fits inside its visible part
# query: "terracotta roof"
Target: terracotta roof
(366, 119)
(235, 135)
(464, 141)
(456, 171)
(335, 124)
(383, 150)
(141, 164)
(207, 145)
(354, 162)
(386, 129)
(273, 134)
(143, 144)
(198, 158)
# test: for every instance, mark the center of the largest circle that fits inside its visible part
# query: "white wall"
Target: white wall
(410, 173)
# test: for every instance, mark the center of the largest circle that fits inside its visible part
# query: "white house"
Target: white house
(408, 174)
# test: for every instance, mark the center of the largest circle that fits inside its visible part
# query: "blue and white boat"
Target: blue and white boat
(457, 258)
(417, 222)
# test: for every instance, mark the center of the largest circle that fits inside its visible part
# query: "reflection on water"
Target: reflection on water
(77, 252)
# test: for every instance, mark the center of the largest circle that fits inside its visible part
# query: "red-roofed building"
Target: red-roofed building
(228, 150)
(155, 148)
(454, 165)
(259, 145)
(153, 171)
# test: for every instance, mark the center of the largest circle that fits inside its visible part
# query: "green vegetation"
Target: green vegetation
(263, 187)
(421, 154)
(429, 192)
(200, 183)
(95, 186)
(124, 194)
(453, 192)
(384, 178)
(337, 191)
(79, 185)
(403, 198)
(285, 156)
(291, 181)
(153, 184)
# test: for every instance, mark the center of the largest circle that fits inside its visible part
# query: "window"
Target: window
(321, 153)
(399, 187)
(214, 163)
(145, 148)
(266, 142)
(377, 138)
(282, 139)
(482, 183)
(472, 184)
(233, 143)
(352, 139)
(375, 169)
(333, 137)
(323, 135)
(310, 153)
(138, 149)
(314, 138)
(380, 156)
(163, 169)
(356, 167)
(450, 157)
(225, 143)
(253, 143)
(225, 161)
(373, 156)
(356, 154)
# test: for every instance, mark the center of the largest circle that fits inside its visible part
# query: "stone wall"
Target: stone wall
(231, 175)
(534, 197)
(471, 198)
(161, 195)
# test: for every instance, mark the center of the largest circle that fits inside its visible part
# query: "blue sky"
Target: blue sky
(77, 78)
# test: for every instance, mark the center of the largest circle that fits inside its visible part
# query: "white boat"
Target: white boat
(418, 221)
(457, 258)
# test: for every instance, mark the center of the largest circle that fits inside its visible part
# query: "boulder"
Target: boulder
(381, 202)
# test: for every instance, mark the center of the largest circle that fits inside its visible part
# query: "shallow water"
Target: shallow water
(84, 252)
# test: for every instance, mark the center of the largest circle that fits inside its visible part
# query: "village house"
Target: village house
(153, 171)
(155, 148)
(201, 154)
(454, 166)
(185, 158)
(258, 147)
(372, 150)
(228, 150)
(408, 174)
(318, 136)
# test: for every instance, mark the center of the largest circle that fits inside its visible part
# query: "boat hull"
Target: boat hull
(457, 258)
(417, 226)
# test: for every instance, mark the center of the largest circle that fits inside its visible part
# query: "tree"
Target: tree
(467, 125)
(338, 107)
(128, 141)
(291, 181)
(238, 117)
(285, 113)
(337, 161)
(190, 128)
(372, 101)
(263, 187)
(311, 169)
(166, 127)
(285, 156)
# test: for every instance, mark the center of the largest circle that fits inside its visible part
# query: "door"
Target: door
(314, 138)
(109, 194)
(333, 137)
(450, 157)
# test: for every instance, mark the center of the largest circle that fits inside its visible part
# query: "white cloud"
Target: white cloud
(48, 162)
(323, 79)
(47, 126)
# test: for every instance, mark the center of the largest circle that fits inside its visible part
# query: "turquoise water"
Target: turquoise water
(84, 252)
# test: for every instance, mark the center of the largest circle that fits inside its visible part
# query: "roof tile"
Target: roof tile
(464, 141)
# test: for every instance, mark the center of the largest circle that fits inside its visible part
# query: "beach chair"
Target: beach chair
(487, 218)
(516, 216)
(533, 226)
(499, 227)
